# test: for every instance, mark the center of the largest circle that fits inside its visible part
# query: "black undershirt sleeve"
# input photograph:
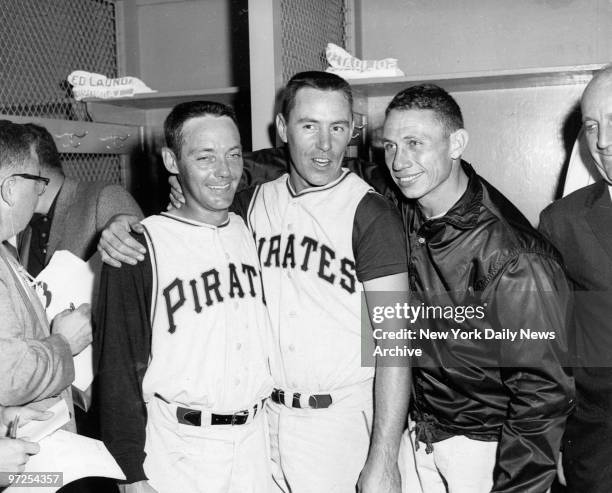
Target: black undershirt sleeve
(379, 243)
(241, 202)
(122, 345)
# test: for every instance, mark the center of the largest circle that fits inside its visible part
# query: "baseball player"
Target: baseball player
(183, 336)
(323, 238)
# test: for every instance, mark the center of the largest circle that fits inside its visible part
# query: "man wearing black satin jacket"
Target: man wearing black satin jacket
(488, 413)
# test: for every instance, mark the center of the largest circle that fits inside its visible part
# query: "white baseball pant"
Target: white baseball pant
(210, 459)
(316, 450)
(457, 465)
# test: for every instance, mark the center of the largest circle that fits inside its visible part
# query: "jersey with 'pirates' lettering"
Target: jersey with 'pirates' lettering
(189, 324)
(316, 248)
(210, 327)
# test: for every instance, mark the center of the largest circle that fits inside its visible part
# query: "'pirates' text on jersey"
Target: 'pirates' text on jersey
(305, 246)
(211, 333)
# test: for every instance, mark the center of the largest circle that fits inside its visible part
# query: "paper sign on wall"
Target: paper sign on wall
(91, 85)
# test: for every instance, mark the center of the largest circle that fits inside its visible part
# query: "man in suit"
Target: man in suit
(36, 364)
(70, 214)
(580, 226)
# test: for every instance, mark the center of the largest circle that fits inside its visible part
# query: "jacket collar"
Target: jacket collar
(599, 215)
(464, 214)
(64, 198)
(599, 195)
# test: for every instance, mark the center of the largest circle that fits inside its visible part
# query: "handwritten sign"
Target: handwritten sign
(91, 85)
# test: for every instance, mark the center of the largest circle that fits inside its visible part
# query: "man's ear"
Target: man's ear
(7, 191)
(352, 130)
(281, 127)
(458, 142)
(170, 161)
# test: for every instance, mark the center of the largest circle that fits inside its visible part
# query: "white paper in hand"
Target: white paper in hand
(69, 280)
(35, 431)
(75, 456)
(83, 369)
(66, 279)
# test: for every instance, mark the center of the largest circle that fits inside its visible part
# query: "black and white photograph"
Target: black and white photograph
(306, 246)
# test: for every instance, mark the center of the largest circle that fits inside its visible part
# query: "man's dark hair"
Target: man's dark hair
(45, 146)
(429, 97)
(15, 144)
(323, 81)
(173, 125)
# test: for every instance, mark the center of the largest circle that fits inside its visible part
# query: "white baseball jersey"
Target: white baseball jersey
(210, 328)
(316, 248)
(190, 325)
(305, 247)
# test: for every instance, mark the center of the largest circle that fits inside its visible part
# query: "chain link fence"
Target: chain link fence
(41, 43)
(94, 167)
(307, 27)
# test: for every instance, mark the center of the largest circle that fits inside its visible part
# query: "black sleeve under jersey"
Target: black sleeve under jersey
(262, 166)
(122, 345)
(241, 202)
(379, 242)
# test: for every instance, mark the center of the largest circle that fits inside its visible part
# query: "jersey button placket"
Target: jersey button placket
(228, 309)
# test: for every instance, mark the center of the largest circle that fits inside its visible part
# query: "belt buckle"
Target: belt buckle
(237, 415)
(187, 416)
(321, 401)
(295, 402)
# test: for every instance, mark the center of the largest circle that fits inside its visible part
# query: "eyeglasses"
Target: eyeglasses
(41, 181)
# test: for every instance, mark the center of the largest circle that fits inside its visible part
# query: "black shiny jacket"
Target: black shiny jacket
(484, 252)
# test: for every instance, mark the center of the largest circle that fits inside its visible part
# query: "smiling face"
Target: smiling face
(209, 168)
(317, 132)
(597, 119)
(423, 158)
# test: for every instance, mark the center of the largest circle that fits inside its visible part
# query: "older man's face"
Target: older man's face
(597, 120)
(27, 193)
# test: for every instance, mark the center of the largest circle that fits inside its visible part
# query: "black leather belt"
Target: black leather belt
(318, 401)
(193, 417)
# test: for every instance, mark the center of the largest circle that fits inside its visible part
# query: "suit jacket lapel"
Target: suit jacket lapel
(60, 216)
(599, 216)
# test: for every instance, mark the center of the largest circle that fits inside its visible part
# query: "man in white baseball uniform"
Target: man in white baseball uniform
(183, 336)
(324, 237)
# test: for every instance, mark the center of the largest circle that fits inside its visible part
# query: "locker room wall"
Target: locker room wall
(178, 45)
(520, 138)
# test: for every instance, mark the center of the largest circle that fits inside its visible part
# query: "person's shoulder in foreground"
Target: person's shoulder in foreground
(574, 204)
